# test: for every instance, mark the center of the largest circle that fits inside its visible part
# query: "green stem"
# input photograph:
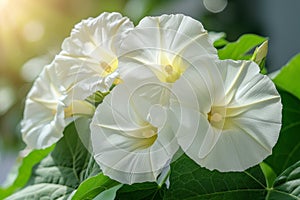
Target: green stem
(163, 179)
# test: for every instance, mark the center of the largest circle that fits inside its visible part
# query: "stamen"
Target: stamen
(107, 68)
(169, 69)
(214, 117)
(117, 81)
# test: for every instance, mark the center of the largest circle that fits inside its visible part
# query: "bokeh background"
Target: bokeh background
(31, 32)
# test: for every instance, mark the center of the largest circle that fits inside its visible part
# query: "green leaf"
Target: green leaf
(43, 191)
(238, 50)
(218, 38)
(269, 174)
(141, 191)
(287, 185)
(287, 150)
(220, 43)
(93, 186)
(25, 170)
(109, 194)
(288, 78)
(190, 181)
(61, 172)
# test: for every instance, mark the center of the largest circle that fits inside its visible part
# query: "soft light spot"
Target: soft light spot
(7, 98)
(33, 31)
(3, 4)
(215, 6)
(33, 67)
(135, 8)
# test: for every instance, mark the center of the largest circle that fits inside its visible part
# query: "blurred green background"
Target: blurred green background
(31, 32)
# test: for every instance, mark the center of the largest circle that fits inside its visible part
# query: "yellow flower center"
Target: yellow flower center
(171, 68)
(144, 137)
(216, 117)
(172, 74)
(108, 68)
(150, 137)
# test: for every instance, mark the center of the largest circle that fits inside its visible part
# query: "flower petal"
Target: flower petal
(173, 32)
(89, 59)
(43, 121)
(249, 110)
(196, 92)
(106, 30)
(168, 40)
(81, 78)
(245, 144)
(126, 144)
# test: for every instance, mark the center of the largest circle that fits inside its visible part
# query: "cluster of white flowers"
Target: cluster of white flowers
(170, 92)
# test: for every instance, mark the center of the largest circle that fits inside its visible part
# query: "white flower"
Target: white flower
(45, 115)
(131, 131)
(168, 45)
(238, 119)
(87, 63)
(89, 57)
(130, 138)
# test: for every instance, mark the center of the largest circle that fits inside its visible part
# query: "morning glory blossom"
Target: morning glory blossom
(131, 139)
(89, 57)
(45, 115)
(131, 133)
(86, 64)
(237, 124)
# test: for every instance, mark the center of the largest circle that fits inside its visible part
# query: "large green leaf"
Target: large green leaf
(93, 186)
(287, 150)
(24, 171)
(190, 181)
(288, 78)
(238, 50)
(61, 172)
(287, 185)
(141, 191)
(109, 194)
